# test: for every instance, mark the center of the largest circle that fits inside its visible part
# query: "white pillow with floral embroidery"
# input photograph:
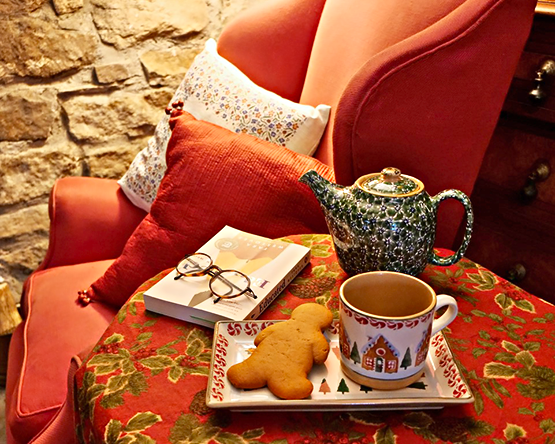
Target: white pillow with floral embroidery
(216, 91)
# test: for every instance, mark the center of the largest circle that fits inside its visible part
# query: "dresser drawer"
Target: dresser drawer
(540, 47)
(512, 226)
(517, 149)
(510, 236)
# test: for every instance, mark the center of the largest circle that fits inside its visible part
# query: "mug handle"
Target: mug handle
(462, 198)
(449, 316)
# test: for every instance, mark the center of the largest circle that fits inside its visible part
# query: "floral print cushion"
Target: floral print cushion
(216, 91)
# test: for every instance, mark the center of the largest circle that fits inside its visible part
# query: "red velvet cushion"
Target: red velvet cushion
(214, 178)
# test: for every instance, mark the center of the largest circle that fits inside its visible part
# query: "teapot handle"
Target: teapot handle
(462, 198)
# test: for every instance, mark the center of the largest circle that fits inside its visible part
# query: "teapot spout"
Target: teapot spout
(323, 189)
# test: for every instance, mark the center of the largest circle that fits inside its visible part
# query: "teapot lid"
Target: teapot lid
(390, 183)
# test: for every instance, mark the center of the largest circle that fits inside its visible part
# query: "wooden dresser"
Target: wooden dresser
(514, 197)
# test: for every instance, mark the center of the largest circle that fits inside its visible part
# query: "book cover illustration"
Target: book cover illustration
(269, 264)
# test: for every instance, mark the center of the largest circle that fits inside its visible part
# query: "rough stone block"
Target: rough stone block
(160, 98)
(167, 67)
(22, 258)
(96, 119)
(114, 161)
(31, 174)
(112, 72)
(9, 7)
(24, 221)
(38, 47)
(67, 6)
(122, 23)
(27, 114)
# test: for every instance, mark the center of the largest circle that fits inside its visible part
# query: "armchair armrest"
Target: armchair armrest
(90, 220)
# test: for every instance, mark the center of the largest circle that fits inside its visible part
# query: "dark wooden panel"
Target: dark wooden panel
(507, 230)
(509, 233)
(515, 148)
(539, 48)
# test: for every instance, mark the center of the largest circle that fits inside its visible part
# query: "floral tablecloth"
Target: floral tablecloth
(146, 379)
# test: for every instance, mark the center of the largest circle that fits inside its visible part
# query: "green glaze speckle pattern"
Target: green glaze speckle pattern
(463, 198)
(373, 232)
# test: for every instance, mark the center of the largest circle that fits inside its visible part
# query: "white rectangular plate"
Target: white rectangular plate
(441, 384)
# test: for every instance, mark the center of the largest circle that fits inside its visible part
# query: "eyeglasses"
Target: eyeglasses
(224, 284)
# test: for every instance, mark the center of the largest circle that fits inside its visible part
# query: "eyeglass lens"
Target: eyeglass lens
(196, 263)
(229, 283)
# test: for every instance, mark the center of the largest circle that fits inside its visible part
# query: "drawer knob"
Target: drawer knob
(516, 273)
(540, 172)
(538, 95)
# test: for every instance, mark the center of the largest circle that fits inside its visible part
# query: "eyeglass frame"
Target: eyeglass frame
(216, 275)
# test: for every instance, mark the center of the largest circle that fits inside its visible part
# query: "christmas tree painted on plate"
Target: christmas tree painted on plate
(365, 388)
(324, 387)
(343, 388)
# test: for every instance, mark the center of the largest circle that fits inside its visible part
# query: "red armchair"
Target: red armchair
(416, 85)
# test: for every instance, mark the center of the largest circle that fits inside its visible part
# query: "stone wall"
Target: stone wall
(83, 83)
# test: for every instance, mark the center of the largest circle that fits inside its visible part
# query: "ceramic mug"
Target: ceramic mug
(386, 323)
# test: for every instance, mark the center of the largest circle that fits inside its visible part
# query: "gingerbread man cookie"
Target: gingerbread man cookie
(285, 353)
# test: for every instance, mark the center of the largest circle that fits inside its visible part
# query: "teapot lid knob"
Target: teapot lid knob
(391, 174)
(390, 183)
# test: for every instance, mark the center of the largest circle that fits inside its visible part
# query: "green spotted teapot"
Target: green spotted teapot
(385, 221)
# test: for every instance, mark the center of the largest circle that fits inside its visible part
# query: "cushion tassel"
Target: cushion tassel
(83, 298)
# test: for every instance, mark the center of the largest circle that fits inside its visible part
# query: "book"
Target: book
(270, 265)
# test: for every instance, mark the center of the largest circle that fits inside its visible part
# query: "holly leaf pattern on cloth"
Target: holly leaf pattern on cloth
(146, 379)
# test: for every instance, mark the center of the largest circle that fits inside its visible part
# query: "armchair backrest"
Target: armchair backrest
(272, 43)
(417, 85)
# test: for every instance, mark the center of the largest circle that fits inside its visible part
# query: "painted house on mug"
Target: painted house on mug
(422, 349)
(344, 342)
(380, 356)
